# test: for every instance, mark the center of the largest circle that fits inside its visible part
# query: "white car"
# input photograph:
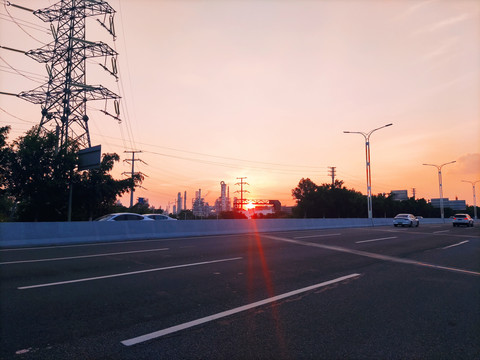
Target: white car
(462, 219)
(123, 217)
(405, 220)
(158, 217)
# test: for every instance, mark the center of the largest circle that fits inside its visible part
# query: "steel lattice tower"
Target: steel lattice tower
(64, 97)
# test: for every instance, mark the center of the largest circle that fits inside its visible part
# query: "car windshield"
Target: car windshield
(401, 216)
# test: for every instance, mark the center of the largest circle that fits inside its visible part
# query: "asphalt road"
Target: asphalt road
(370, 293)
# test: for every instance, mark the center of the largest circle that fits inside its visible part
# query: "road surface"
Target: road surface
(366, 293)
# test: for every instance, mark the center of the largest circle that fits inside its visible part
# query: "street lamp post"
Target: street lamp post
(474, 197)
(440, 188)
(367, 156)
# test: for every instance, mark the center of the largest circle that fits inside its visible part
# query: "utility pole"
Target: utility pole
(332, 174)
(133, 173)
(474, 197)
(241, 183)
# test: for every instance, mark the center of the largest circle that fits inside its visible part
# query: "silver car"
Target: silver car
(405, 220)
(123, 217)
(462, 219)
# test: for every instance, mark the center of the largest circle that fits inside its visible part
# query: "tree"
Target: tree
(327, 200)
(306, 194)
(386, 206)
(335, 200)
(37, 176)
(6, 201)
(96, 190)
(275, 215)
(185, 215)
(231, 215)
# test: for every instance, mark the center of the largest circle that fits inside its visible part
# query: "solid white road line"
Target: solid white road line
(160, 333)
(80, 257)
(441, 231)
(373, 255)
(380, 239)
(126, 274)
(460, 243)
(315, 236)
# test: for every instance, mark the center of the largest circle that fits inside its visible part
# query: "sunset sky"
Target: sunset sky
(214, 90)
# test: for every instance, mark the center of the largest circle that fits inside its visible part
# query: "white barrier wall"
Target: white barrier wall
(56, 233)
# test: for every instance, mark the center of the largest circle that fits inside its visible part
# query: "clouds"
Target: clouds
(445, 23)
(468, 165)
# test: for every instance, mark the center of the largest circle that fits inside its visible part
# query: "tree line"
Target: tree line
(336, 201)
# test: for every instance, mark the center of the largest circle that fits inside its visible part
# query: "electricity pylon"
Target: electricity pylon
(241, 183)
(64, 97)
(332, 174)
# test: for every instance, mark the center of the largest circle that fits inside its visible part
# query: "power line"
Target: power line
(235, 159)
(16, 117)
(25, 23)
(39, 79)
(13, 19)
(291, 168)
(39, 76)
(121, 86)
(229, 165)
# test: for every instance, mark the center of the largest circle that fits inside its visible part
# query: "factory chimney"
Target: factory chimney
(179, 202)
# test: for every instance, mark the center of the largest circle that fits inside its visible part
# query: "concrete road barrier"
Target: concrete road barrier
(60, 233)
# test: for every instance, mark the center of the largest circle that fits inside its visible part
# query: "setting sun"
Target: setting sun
(249, 205)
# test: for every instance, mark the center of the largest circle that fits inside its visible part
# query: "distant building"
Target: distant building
(457, 205)
(223, 202)
(199, 206)
(447, 203)
(399, 195)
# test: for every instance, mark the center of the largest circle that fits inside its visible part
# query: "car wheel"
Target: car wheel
(418, 224)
